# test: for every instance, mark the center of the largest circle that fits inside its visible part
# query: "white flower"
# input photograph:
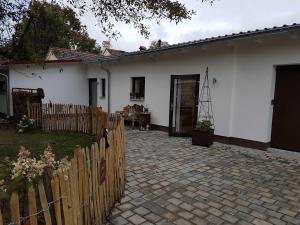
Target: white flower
(25, 166)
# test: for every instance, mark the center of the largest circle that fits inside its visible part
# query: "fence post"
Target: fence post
(32, 205)
(91, 119)
(76, 119)
(44, 204)
(1, 218)
(15, 208)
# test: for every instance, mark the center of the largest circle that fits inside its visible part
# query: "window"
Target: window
(137, 88)
(103, 87)
(2, 87)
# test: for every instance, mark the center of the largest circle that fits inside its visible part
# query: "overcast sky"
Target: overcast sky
(223, 17)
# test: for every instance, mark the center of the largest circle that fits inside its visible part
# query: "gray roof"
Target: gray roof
(67, 54)
(232, 36)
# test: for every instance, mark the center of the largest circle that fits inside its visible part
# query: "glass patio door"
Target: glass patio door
(183, 104)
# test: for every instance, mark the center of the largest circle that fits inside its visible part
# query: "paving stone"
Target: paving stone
(175, 201)
(215, 204)
(199, 213)
(214, 220)
(119, 221)
(141, 211)
(170, 181)
(186, 215)
(127, 214)
(276, 221)
(215, 211)
(261, 222)
(230, 218)
(172, 208)
(199, 221)
(182, 222)
(244, 216)
(186, 206)
(201, 205)
(288, 212)
(291, 220)
(258, 215)
(153, 217)
(169, 216)
(136, 219)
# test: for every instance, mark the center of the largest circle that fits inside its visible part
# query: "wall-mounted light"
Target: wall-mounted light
(214, 81)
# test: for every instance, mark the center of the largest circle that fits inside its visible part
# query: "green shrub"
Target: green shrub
(25, 124)
(204, 125)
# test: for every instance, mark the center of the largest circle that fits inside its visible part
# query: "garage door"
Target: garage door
(286, 114)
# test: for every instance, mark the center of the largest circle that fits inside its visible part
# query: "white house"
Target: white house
(255, 93)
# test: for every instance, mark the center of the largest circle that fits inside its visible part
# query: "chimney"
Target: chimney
(142, 48)
(159, 43)
(105, 45)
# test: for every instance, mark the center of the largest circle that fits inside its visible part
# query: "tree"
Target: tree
(49, 25)
(158, 44)
(136, 12)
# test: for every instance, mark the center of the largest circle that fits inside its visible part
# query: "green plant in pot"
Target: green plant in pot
(203, 133)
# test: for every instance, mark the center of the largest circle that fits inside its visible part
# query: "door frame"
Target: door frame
(196, 100)
(91, 80)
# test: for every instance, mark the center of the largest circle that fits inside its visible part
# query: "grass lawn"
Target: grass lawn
(63, 143)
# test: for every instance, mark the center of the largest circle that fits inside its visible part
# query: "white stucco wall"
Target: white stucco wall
(255, 82)
(245, 73)
(158, 71)
(62, 83)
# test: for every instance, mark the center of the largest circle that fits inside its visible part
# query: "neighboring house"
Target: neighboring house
(252, 72)
(108, 51)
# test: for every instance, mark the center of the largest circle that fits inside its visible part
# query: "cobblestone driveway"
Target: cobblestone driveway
(169, 181)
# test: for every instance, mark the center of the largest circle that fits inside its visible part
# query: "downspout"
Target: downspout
(7, 94)
(108, 86)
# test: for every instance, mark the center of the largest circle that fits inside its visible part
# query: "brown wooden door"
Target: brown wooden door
(286, 114)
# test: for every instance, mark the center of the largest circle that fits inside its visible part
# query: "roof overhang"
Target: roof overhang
(60, 61)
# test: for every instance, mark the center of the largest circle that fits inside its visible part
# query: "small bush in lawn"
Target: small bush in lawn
(25, 124)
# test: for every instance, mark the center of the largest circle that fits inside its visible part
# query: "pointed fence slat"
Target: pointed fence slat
(15, 208)
(32, 206)
(1, 218)
(57, 199)
(44, 204)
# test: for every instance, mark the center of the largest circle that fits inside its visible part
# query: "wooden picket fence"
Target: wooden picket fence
(68, 117)
(85, 193)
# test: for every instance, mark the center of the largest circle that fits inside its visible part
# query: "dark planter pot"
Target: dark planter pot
(202, 138)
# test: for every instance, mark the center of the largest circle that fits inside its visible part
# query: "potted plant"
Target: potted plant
(203, 133)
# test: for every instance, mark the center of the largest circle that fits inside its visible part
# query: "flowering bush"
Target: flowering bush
(48, 158)
(25, 124)
(27, 168)
(30, 169)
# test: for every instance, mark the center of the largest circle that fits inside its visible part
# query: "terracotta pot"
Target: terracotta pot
(202, 138)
